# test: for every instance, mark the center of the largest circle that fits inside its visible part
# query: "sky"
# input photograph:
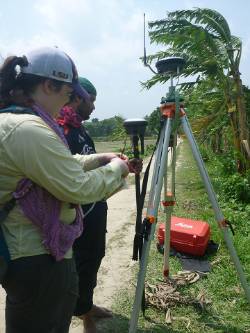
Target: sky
(105, 40)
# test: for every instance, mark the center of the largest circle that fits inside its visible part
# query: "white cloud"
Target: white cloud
(188, 4)
(21, 45)
(105, 39)
(115, 31)
(57, 12)
(246, 49)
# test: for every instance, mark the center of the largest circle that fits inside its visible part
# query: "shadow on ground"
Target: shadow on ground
(120, 324)
(209, 322)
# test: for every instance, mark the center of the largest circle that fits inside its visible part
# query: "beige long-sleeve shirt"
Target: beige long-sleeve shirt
(30, 149)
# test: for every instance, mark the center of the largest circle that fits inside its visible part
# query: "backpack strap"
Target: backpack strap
(9, 205)
(17, 110)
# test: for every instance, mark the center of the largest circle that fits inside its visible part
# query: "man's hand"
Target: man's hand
(135, 165)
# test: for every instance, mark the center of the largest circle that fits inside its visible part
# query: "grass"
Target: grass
(117, 146)
(109, 146)
(229, 310)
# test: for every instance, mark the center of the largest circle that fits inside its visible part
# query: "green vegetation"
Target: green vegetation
(212, 54)
(107, 129)
(228, 311)
(118, 146)
(112, 129)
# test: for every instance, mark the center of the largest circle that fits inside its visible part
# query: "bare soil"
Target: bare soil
(116, 266)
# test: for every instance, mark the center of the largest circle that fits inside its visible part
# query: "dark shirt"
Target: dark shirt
(80, 142)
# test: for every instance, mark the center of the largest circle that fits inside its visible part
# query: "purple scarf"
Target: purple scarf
(43, 209)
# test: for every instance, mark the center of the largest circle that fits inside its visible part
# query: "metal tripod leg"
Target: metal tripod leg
(168, 203)
(217, 211)
(167, 211)
(169, 198)
(152, 210)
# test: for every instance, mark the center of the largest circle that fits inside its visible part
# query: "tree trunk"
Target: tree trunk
(218, 138)
(242, 121)
(231, 109)
(244, 131)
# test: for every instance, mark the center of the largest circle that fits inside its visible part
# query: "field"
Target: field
(117, 146)
(224, 307)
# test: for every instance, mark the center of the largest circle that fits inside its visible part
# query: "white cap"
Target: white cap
(50, 62)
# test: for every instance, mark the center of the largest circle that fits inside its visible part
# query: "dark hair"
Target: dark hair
(15, 87)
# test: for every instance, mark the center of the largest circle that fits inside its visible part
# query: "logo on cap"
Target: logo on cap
(60, 75)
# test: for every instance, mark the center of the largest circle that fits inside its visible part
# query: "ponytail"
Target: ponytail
(8, 78)
(8, 72)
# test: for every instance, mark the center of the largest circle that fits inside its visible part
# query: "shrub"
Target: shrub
(237, 187)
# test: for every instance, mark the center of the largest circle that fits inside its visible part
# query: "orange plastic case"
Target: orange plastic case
(186, 235)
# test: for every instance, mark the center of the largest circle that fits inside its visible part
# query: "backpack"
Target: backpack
(4, 251)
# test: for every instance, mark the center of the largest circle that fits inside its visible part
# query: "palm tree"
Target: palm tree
(204, 39)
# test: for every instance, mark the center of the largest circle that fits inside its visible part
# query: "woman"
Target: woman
(48, 184)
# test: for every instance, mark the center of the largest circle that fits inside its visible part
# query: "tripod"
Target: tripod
(173, 115)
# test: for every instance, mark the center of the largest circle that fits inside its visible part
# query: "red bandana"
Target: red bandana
(68, 118)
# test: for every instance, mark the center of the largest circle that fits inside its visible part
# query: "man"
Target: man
(89, 248)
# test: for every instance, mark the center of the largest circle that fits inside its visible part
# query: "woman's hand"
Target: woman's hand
(105, 158)
(133, 165)
(122, 164)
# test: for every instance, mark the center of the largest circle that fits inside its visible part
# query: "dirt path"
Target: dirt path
(117, 261)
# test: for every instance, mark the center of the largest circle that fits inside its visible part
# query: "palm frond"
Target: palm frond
(211, 19)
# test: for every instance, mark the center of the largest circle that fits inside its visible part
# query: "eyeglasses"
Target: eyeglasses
(70, 94)
(69, 86)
